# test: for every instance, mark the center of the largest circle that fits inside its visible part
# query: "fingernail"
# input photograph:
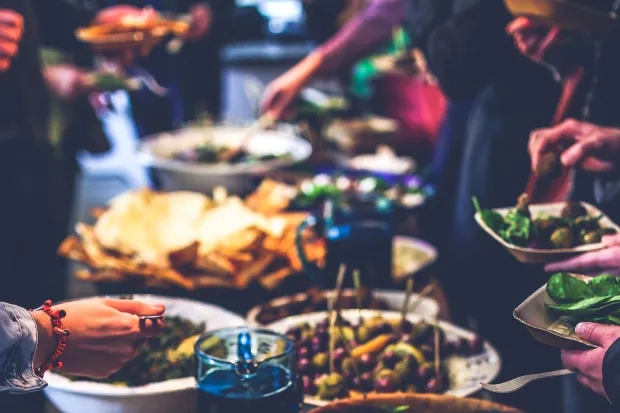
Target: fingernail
(160, 308)
(580, 329)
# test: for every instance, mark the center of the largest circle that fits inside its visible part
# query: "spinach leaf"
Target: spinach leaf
(605, 285)
(566, 288)
(492, 219)
(518, 230)
(588, 306)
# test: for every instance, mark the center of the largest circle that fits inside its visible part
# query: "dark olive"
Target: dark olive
(294, 333)
(424, 372)
(476, 346)
(303, 352)
(353, 343)
(428, 351)
(434, 386)
(406, 327)
(545, 227)
(318, 345)
(389, 360)
(422, 332)
(562, 238)
(386, 384)
(367, 362)
(356, 383)
(366, 381)
(461, 346)
(573, 209)
(305, 342)
(309, 387)
(304, 366)
(339, 355)
(384, 328)
(321, 331)
(349, 378)
(348, 365)
(448, 349)
(587, 223)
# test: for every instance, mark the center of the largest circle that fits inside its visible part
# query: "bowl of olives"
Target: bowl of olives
(543, 233)
(376, 352)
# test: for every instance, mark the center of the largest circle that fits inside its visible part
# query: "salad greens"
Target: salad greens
(597, 301)
(573, 228)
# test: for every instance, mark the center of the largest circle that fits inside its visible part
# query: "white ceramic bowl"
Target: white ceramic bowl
(466, 373)
(177, 175)
(427, 307)
(176, 396)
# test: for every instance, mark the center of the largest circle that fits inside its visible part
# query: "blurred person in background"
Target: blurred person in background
(33, 218)
(191, 75)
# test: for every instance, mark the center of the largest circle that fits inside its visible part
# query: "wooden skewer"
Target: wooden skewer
(437, 350)
(424, 293)
(333, 314)
(357, 283)
(403, 312)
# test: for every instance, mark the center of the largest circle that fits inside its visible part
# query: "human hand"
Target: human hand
(66, 81)
(588, 364)
(200, 23)
(593, 148)
(11, 30)
(104, 334)
(281, 93)
(605, 261)
(551, 46)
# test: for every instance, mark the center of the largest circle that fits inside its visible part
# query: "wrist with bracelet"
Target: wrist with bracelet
(60, 334)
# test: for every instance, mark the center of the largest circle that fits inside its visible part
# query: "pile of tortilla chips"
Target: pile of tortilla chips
(193, 241)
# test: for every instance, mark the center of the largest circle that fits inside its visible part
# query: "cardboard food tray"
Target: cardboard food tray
(556, 332)
(565, 14)
(543, 256)
(419, 403)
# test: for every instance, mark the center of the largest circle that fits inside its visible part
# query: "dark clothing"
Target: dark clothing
(611, 373)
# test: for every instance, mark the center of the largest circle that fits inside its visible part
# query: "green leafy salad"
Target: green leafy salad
(596, 301)
(574, 227)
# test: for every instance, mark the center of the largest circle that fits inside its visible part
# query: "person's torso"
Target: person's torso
(24, 98)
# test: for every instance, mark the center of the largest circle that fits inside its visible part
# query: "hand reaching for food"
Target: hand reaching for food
(590, 147)
(11, 30)
(104, 334)
(605, 261)
(201, 18)
(588, 364)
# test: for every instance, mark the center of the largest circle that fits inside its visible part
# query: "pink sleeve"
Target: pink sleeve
(360, 35)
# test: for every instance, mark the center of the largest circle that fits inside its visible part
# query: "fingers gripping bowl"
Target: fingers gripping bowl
(173, 395)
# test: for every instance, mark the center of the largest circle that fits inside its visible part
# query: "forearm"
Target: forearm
(18, 346)
(361, 35)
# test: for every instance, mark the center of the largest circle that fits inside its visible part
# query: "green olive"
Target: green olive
(423, 331)
(592, 237)
(363, 334)
(349, 366)
(330, 386)
(406, 368)
(562, 238)
(320, 362)
(390, 374)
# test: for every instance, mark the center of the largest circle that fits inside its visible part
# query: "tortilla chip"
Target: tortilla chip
(271, 197)
(184, 257)
(274, 279)
(243, 240)
(253, 270)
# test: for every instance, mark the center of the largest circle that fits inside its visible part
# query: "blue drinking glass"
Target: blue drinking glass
(246, 370)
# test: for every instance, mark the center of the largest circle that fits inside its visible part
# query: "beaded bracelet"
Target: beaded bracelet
(60, 333)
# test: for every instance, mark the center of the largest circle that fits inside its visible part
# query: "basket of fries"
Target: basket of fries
(139, 33)
(191, 241)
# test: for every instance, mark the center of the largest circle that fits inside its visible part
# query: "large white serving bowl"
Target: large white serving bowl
(466, 373)
(175, 175)
(176, 396)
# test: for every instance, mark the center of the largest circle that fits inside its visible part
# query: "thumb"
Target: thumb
(611, 240)
(598, 334)
(135, 307)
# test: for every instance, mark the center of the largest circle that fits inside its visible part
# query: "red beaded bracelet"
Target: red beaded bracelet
(60, 333)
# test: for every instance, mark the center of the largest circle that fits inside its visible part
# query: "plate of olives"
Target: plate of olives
(543, 233)
(377, 353)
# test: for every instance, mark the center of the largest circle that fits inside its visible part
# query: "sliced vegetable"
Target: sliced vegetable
(372, 347)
